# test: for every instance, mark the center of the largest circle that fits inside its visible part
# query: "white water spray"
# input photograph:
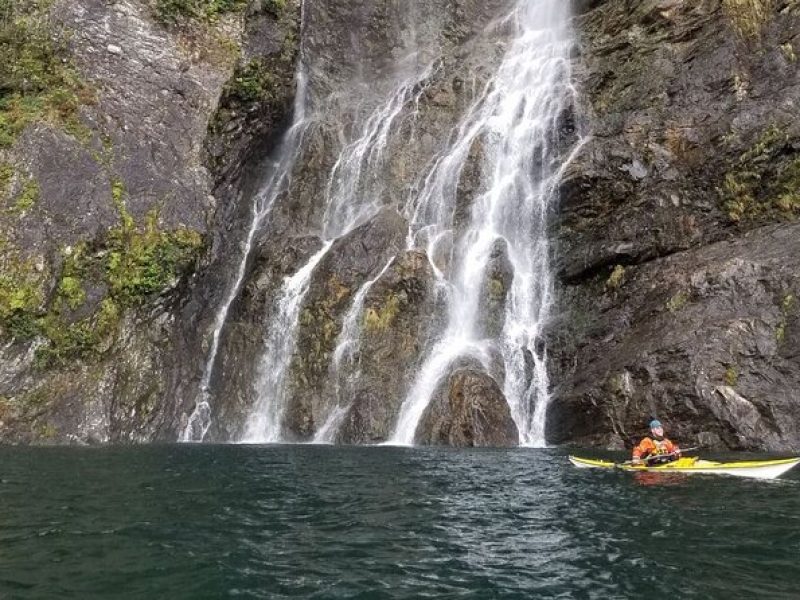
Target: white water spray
(513, 122)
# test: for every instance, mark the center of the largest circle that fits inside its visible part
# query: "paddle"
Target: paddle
(647, 459)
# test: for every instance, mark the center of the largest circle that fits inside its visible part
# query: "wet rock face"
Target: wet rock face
(497, 283)
(109, 339)
(352, 261)
(468, 410)
(399, 311)
(676, 251)
(242, 346)
(685, 112)
(258, 98)
(700, 339)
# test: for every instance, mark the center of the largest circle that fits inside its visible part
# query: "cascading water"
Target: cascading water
(513, 123)
(264, 424)
(263, 203)
(352, 197)
(509, 132)
(344, 370)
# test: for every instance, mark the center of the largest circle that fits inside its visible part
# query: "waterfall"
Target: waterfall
(265, 421)
(344, 371)
(352, 197)
(506, 139)
(279, 174)
(513, 125)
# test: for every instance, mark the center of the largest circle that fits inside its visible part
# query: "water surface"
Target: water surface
(189, 522)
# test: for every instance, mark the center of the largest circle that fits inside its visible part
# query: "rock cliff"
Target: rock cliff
(677, 230)
(119, 123)
(136, 136)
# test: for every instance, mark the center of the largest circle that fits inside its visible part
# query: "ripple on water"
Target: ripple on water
(323, 522)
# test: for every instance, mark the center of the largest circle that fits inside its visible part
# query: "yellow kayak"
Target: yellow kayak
(759, 469)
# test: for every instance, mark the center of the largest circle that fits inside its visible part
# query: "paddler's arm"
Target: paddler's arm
(674, 449)
(644, 448)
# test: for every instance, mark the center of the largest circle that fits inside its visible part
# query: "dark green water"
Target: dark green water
(189, 522)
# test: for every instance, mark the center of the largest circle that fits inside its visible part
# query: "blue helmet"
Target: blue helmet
(655, 423)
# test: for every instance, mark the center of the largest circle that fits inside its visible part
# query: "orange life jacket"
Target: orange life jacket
(650, 447)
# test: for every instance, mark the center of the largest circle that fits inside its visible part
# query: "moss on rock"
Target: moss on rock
(321, 329)
(252, 82)
(616, 278)
(28, 197)
(37, 81)
(21, 294)
(677, 301)
(381, 317)
(764, 183)
(174, 12)
(748, 17)
(6, 176)
(132, 263)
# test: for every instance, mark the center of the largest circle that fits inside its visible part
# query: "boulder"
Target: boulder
(468, 410)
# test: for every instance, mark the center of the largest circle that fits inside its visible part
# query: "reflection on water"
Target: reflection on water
(651, 478)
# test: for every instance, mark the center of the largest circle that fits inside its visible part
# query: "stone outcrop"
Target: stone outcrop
(468, 410)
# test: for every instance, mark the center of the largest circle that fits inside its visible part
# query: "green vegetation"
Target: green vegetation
(20, 295)
(731, 376)
(251, 82)
(320, 330)
(70, 288)
(786, 307)
(497, 289)
(134, 262)
(764, 184)
(37, 82)
(28, 197)
(173, 12)
(144, 260)
(788, 52)
(275, 6)
(18, 303)
(749, 17)
(47, 431)
(67, 341)
(6, 176)
(380, 318)
(616, 279)
(677, 302)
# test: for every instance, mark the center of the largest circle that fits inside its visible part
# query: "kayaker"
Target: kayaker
(656, 449)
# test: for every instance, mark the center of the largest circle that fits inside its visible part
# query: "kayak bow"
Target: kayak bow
(759, 469)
